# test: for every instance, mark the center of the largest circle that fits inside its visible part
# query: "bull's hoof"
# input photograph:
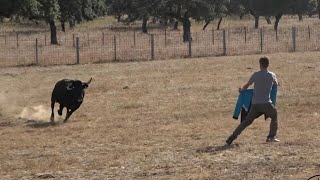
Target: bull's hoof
(52, 119)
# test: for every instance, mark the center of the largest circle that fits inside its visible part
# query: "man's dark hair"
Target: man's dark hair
(264, 61)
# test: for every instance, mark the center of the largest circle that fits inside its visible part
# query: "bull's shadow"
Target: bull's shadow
(40, 124)
(216, 149)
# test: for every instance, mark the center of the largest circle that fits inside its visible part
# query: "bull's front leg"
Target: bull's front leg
(52, 111)
(60, 110)
(69, 112)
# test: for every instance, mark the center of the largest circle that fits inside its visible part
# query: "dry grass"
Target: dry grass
(160, 120)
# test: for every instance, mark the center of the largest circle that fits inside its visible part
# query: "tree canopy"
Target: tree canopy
(183, 11)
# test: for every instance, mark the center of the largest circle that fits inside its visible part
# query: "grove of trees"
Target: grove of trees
(184, 12)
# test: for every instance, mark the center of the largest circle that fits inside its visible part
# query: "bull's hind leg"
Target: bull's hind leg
(52, 111)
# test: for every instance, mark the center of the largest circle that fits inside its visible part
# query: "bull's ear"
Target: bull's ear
(70, 86)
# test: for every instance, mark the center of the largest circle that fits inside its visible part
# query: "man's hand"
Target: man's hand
(245, 87)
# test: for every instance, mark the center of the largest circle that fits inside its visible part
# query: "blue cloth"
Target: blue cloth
(245, 97)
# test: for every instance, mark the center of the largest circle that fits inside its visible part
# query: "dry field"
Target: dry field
(159, 120)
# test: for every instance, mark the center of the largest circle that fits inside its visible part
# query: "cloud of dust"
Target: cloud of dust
(6, 107)
(10, 107)
(35, 113)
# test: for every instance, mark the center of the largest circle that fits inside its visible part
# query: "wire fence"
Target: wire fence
(18, 49)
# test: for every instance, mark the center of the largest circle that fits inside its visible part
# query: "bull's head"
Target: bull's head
(76, 88)
(86, 85)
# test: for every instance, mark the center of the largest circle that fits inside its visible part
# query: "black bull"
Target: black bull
(69, 94)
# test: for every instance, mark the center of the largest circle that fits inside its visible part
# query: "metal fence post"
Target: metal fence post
(119, 39)
(224, 42)
(73, 41)
(78, 49)
(134, 38)
(88, 39)
(190, 45)
(152, 46)
(103, 38)
(115, 47)
(261, 40)
(294, 32)
(213, 36)
(309, 32)
(245, 34)
(17, 40)
(165, 37)
(37, 54)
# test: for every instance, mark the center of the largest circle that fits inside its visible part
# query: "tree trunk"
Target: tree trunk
(119, 18)
(72, 24)
(318, 9)
(300, 17)
(144, 25)
(268, 19)
(207, 23)
(241, 16)
(63, 27)
(276, 24)
(256, 22)
(176, 24)
(186, 29)
(53, 29)
(219, 23)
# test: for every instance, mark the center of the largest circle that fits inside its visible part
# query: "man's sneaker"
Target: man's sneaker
(272, 140)
(230, 140)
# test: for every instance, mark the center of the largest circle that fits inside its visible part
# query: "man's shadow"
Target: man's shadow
(216, 149)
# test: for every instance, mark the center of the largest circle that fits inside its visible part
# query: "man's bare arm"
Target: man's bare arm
(245, 87)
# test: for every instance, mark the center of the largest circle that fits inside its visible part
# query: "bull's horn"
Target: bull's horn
(89, 81)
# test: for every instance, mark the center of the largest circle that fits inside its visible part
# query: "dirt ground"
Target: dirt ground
(159, 120)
